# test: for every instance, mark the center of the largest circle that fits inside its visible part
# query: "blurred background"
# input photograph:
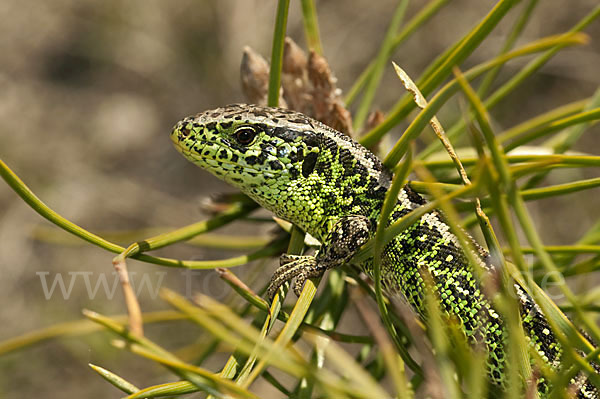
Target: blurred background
(88, 94)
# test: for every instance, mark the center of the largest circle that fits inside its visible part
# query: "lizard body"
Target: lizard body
(333, 188)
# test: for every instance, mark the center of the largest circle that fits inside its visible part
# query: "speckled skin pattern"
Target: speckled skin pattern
(333, 188)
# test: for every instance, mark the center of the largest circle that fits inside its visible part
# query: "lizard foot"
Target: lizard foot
(340, 245)
(296, 267)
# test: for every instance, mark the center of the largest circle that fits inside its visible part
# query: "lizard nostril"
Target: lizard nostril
(185, 132)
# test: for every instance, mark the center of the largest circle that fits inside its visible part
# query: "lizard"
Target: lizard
(333, 188)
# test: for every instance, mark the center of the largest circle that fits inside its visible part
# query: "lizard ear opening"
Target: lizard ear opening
(245, 135)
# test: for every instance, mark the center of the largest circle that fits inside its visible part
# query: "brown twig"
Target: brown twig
(134, 310)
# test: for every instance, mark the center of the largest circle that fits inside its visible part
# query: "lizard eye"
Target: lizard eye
(245, 135)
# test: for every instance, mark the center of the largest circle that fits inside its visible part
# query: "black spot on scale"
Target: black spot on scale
(293, 173)
(267, 147)
(285, 134)
(238, 118)
(234, 105)
(357, 201)
(223, 153)
(348, 192)
(309, 164)
(413, 196)
(258, 112)
(346, 159)
(234, 158)
(276, 165)
(363, 180)
(251, 160)
(378, 193)
(372, 224)
(296, 155)
(225, 125)
(330, 144)
(300, 121)
(322, 169)
(293, 156)
(211, 126)
(262, 158)
(329, 197)
(361, 171)
(312, 140)
(398, 214)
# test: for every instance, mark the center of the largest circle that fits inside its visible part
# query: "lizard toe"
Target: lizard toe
(299, 283)
(299, 268)
(285, 259)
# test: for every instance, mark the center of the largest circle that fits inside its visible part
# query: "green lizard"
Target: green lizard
(333, 188)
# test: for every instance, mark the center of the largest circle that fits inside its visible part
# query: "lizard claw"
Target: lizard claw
(293, 267)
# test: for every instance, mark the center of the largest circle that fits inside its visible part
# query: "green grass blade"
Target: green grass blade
(114, 379)
(33, 201)
(76, 328)
(426, 13)
(507, 184)
(201, 382)
(237, 210)
(581, 117)
(168, 389)
(510, 41)
(380, 61)
(558, 159)
(295, 247)
(531, 194)
(517, 79)
(423, 118)
(359, 382)
(378, 245)
(536, 63)
(311, 26)
(288, 331)
(185, 233)
(460, 53)
(277, 52)
(530, 124)
(563, 141)
(218, 383)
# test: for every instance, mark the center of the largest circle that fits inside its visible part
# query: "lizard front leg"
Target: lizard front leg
(341, 244)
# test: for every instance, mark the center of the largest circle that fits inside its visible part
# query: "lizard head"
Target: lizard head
(251, 147)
